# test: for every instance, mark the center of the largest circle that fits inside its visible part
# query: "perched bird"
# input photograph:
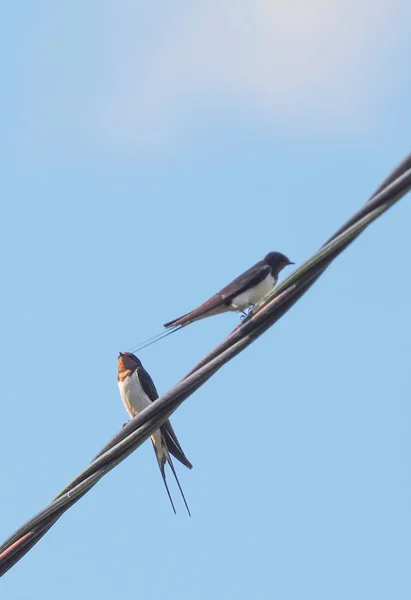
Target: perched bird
(245, 291)
(138, 391)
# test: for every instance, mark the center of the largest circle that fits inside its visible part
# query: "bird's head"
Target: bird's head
(277, 261)
(127, 362)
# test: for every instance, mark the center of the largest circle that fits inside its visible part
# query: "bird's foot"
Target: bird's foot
(246, 312)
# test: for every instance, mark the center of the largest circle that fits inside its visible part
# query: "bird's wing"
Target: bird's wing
(219, 302)
(170, 438)
(172, 443)
(147, 384)
(246, 280)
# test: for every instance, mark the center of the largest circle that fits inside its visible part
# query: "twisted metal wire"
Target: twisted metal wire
(273, 307)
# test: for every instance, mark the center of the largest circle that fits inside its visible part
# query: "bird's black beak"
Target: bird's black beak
(290, 262)
(120, 354)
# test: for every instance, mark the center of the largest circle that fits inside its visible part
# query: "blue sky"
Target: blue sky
(150, 154)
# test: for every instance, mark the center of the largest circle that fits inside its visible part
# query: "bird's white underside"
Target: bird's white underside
(135, 400)
(254, 295)
(134, 397)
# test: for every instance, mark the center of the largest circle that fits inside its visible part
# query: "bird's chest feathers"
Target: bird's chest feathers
(134, 397)
(254, 294)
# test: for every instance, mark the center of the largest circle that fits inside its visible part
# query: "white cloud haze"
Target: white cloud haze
(139, 74)
(290, 62)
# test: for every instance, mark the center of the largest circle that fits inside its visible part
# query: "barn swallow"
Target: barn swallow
(245, 291)
(138, 391)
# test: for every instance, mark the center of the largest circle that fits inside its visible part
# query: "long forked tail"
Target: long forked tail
(181, 321)
(213, 306)
(170, 462)
(162, 457)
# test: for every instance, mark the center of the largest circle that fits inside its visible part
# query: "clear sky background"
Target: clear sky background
(150, 153)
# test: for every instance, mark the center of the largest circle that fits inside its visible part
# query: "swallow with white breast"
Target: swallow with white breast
(138, 391)
(245, 291)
